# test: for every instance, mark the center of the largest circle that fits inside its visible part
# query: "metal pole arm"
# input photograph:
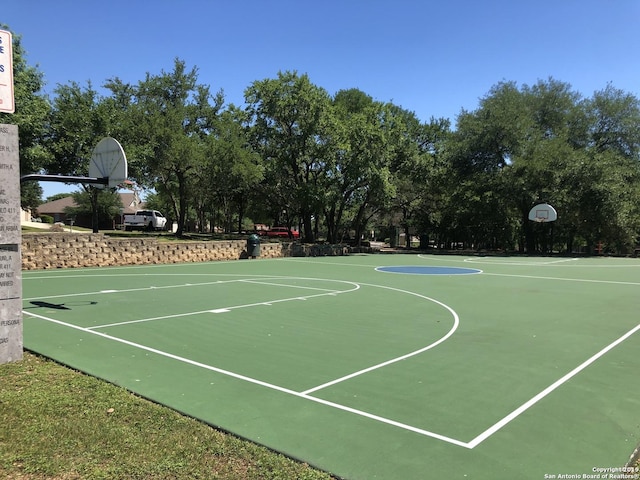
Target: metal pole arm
(63, 179)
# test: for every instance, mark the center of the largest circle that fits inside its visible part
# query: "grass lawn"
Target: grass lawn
(57, 423)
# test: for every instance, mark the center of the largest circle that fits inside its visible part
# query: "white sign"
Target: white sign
(6, 73)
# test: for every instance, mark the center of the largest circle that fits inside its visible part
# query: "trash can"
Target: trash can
(253, 246)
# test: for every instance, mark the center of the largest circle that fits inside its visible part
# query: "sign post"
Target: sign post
(7, 103)
(10, 245)
(10, 230)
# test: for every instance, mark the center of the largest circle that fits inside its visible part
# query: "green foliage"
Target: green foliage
(229, 175)
(340, 166)
(289, 131)
(75, 129)
(614, 122)
(173, 116)
(57, 196)
(544, 143)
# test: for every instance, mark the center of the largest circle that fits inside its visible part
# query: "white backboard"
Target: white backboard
(109, 161)
(543, 212)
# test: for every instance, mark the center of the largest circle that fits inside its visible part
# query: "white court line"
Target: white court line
(583, 280)
(527, 405)
(470, 445)
(144, 289)
(128, 290)
(456, 323)
(227, 309)
(259, 382)
(152, 319)
(234, 307)
(487, 260)
(536, 263)
(560, 261)
(262, 281)
(295, 286)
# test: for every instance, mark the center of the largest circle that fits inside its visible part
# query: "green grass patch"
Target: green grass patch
(58, 423)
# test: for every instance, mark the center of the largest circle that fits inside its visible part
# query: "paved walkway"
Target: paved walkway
(47, 226)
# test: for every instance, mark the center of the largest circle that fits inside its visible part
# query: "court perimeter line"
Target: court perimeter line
(128, 290)
(252, 278)
(259, 382)
(520, 263)
(525, 406)
(235, 307)
(487, 260)
(300, 286)
(583, 280)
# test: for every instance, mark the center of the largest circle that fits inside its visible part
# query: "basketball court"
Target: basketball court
(371, 366)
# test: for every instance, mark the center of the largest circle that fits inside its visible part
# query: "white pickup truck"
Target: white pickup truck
(145, 220)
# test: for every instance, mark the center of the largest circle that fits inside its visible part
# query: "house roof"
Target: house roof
(58, 206)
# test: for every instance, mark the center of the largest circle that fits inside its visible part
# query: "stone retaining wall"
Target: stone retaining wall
(68, 250)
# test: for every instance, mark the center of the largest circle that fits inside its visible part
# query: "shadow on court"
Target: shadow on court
(58, 306)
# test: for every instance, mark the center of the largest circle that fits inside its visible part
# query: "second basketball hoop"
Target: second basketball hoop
(543, 212)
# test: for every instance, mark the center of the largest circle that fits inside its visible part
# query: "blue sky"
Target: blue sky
(431, 57)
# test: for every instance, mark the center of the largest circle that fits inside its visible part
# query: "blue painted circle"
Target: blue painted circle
(417, 270)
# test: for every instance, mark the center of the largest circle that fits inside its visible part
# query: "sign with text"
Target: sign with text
(7, 102)
(10, 244)
(10, 230)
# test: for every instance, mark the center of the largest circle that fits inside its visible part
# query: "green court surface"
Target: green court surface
(443, 367)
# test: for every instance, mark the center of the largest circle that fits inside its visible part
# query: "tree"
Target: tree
(415, 161)
(546, 143)
(288, 117)
(506, 156)
(75, 129)
(372, 142)
(232, 170)
(552, 141)
(107, 207)
(356, 140)
(173, 115)
(614, 120)
(367, 144)
(31, 114)
(605, 184)
(78, 123)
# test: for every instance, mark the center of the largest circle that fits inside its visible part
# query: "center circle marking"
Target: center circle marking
(422, 270)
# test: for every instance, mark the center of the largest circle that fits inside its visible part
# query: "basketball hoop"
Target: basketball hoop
(542, 213)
